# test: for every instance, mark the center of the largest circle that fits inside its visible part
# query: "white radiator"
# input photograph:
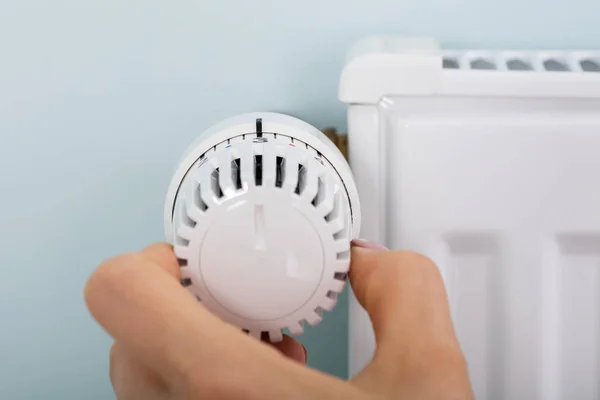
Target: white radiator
(488, 163)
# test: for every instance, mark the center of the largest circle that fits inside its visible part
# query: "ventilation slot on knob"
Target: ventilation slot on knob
(320, 196)
(181, 241)
(185, 218)
(187, 221)
(301, 185)
(335, 212)
(280, 172)
(236, 173)
(340, 234)
(343, 255)
(214, 180)
(258, 170)
(186, 282)
(198, 202)
(340, 276)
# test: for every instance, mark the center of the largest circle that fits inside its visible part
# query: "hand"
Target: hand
(167, 346)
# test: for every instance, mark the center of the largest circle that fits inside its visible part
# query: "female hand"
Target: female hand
(167, 346)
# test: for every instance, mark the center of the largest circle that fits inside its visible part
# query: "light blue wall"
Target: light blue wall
(98, 98)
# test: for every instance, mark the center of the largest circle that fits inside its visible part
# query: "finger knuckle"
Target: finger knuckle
(401, 268)
(160, 248)
(111, 274)
(160, 251)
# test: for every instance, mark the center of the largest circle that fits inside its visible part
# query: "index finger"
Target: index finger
(405, 297)
(404, 294)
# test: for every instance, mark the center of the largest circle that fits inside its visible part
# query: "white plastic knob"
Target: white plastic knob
(261, 211)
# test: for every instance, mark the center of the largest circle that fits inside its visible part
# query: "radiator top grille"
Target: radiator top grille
(574, 62)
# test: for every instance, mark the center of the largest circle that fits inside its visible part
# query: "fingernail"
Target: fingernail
(366, 244)
(305, 354)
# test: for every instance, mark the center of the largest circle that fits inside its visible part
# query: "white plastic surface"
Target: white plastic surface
(502, 192)
(378, 67)
(262, 222)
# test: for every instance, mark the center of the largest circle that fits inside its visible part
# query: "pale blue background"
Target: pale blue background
(98, 98)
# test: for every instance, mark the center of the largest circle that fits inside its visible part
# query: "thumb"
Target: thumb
(138, 299)
(405, 297)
